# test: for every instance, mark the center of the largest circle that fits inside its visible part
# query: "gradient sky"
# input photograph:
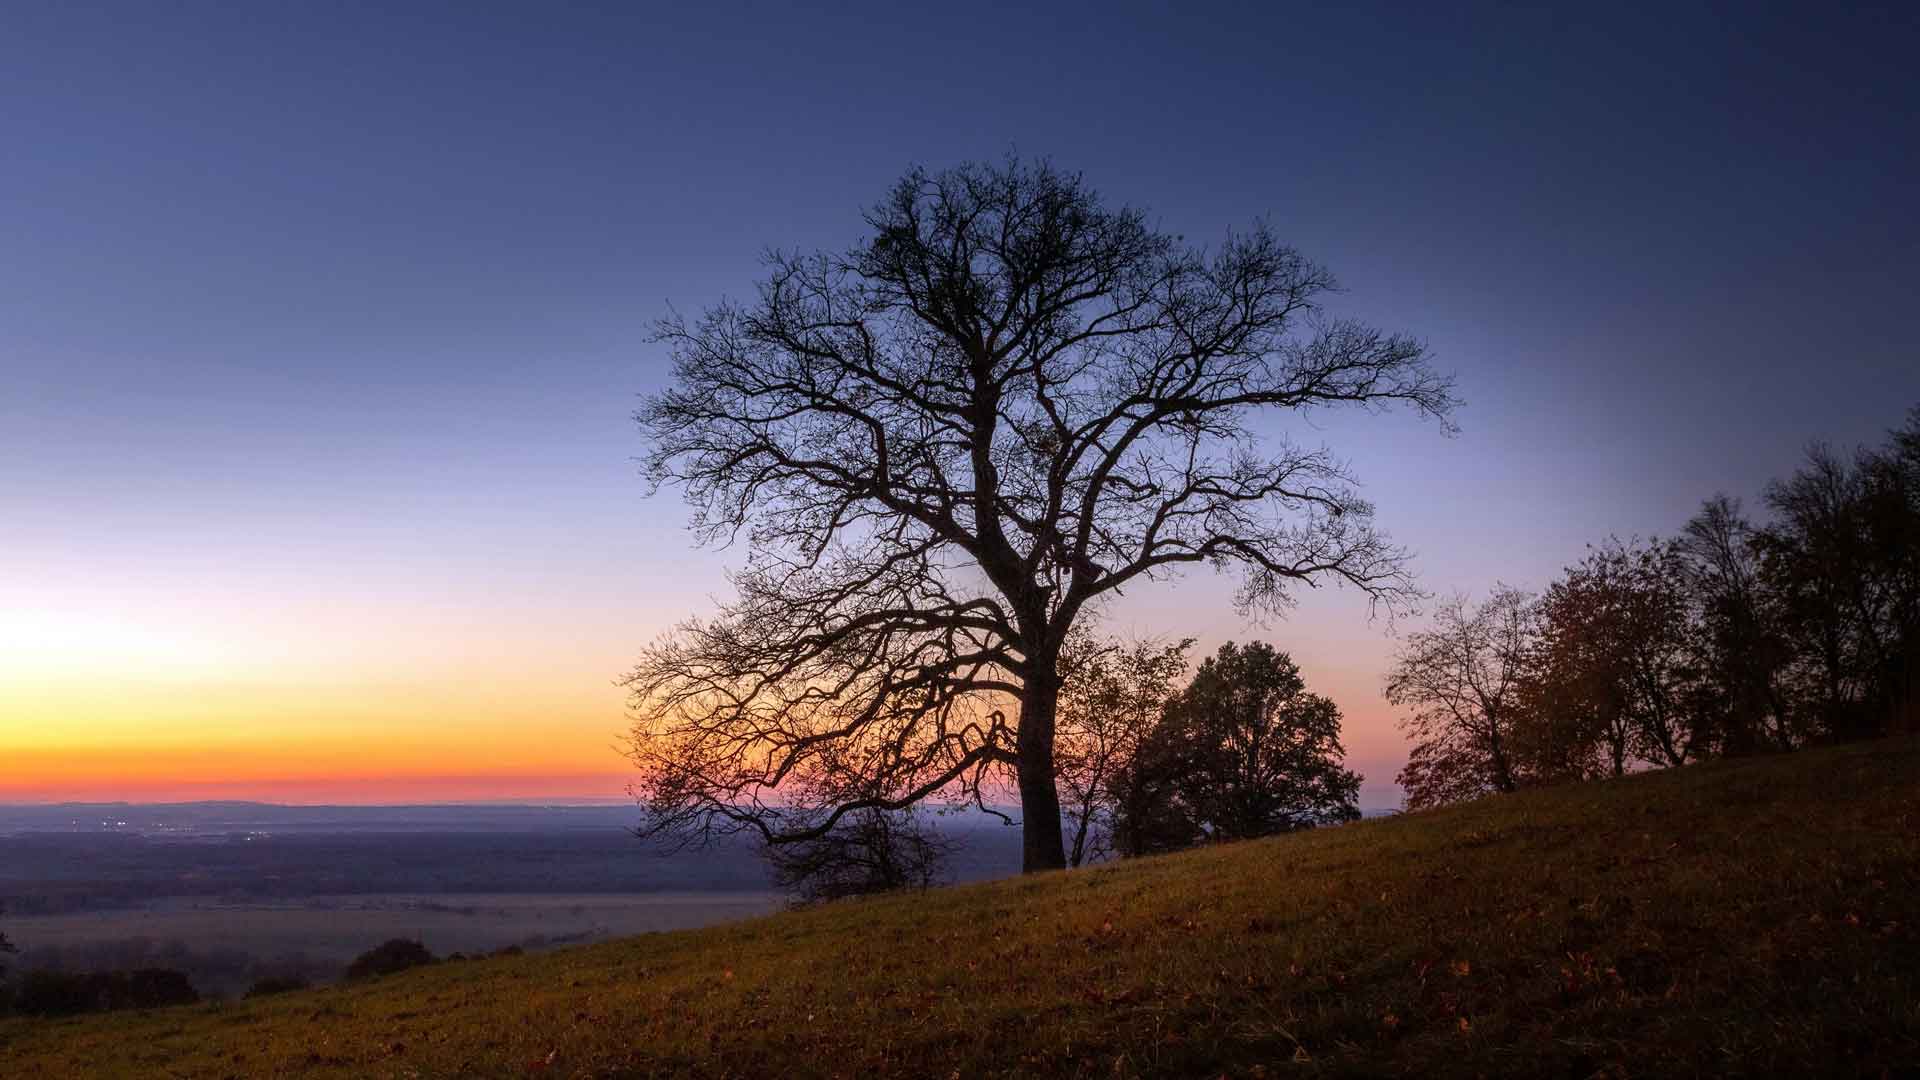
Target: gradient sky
(320, 325)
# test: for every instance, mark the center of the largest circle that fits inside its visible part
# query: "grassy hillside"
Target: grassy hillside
(1757, 916)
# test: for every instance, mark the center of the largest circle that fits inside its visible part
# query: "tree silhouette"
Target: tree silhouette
(1113, 695)
(944, 449)
(1842, 560)
(1244, 750)
(1619, 626)
(867, 851)
(1462, 678)
(1746, 652)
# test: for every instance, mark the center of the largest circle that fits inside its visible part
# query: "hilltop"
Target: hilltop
(1756, 916)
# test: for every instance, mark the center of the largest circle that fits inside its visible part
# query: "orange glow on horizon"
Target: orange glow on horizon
(415, 704)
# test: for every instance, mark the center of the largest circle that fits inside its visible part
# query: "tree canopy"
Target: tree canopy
(944, 448)
(1244, 750)
(1735, 637)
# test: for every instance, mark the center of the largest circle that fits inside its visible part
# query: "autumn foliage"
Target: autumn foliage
(1733, 638)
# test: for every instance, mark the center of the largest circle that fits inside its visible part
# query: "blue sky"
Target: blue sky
(320, 325)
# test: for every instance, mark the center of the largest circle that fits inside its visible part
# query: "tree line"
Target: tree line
(1739, 635)
(1147, 764)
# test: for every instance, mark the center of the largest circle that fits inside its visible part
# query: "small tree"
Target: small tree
(870, 851)
(1618, 632)
(1745, 653)
(1462, 679)
(1113, 695)
(1243, 751)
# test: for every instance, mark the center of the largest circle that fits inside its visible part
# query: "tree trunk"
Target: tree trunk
(1497, 755)
(1043, 844)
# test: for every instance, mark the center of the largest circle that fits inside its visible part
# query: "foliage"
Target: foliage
(1113, 695)
(1462, 679)
(1732, 639)
(866, 852)
(1842, 560)
(389, 957)
(1618, 661)
(277, 984)
(1242, 751)
(59, 993)
(1758, 917)
(1745, 651)
(948, 445)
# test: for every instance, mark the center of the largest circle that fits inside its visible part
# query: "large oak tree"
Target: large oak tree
(944, 449)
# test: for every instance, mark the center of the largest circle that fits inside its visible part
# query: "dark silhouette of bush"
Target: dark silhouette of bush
(869, 851)
(396, 955)
(281, 984)
(60, 993)
(55, 993)
(152, 988)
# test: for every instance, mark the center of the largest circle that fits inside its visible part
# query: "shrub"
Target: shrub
(396, 955)
(60, 993)
(153, 988)
(277, 984)
(56, 993)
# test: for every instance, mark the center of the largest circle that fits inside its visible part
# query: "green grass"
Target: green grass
(1758, 917)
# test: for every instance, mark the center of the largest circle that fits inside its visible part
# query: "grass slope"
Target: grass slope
(1758, 917)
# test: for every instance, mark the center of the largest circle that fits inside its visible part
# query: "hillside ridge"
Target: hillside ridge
(1748, 916)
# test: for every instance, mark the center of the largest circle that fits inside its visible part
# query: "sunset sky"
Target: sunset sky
(321, 326)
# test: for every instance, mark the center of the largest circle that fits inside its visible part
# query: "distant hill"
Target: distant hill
(1757, 917)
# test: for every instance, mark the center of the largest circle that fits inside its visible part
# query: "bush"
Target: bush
(393, 956)
(60, 993)
(55, 993)
(277, 984)
(153, 988)
(867, 852)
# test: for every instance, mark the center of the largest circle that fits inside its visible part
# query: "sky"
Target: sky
(321, 326)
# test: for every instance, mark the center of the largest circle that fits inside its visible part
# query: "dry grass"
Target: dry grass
(1758, 917)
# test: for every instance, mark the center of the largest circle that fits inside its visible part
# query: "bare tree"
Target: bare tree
(1113, 695)
(868, 851)
(1746, 651)
(947, 446)
(1462, 680)
(1842, 559)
